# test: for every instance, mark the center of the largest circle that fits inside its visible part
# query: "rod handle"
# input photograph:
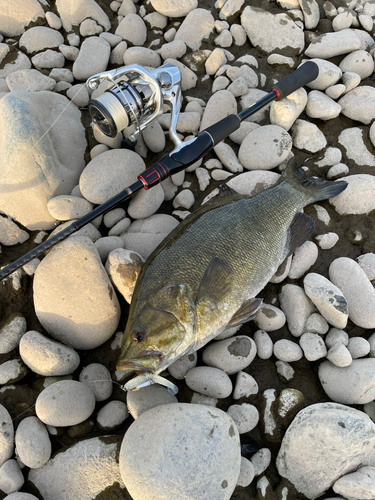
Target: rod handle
(306, 73)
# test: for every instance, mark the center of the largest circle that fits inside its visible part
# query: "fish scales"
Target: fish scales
(204, 277)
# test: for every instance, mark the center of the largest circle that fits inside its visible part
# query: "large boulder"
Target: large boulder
(37, 165)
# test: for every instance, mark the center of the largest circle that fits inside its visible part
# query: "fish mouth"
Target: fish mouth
(146, 361)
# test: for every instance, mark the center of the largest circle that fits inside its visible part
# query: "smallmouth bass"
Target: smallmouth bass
(205, 276)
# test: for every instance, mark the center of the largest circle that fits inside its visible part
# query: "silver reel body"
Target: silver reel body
(136, 99)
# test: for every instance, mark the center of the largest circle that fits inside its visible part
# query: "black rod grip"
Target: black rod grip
(306, 73)
(220, 130)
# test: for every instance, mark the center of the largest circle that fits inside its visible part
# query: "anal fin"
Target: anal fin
(299, 231)
(245, 313)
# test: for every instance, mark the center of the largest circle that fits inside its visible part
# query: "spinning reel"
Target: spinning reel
(136, 99)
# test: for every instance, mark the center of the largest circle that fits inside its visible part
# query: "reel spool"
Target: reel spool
(136, 99)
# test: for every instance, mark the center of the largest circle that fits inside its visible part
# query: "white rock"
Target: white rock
(353, 141)
(360, 62)
(70, 314)
(245, 128)
(297, 308)
(30, 80)
(112, 415)
(246, 473)
(342, 21)
(358, 347)
(11, 332)
(6, 435)
(304, 257)
(93, 58)
(98, 378)
(272, 32)
(228, 157)
(225, 39)
(117, 54)
(338, 170)
(156, 20)
(335, 91)
(169, 9)
(15, 16)
(192, 424)
(181, 366)
(367, 262)
(53, 20)
(339, 355)
(142, 56)
(325, 460)
(307, 136)
(196, 27)
(110, 173)
(144, 399)
(33, 443)
(285, 370)
(245, 386)
(317, 324)
(360, 483)
(253, 182)
(144, 235)
(327, 298)
(311, 14)
(203, 178)
(245, 416)
(85, 9)
(269, 318)
(21, 62)
(219, 105)
(220, 175)
(333, 44)
(11, 234)
(265, 148)
(230, 8)
(58, 159)
(239, 34)
(366, 21)
(230, 355)
(261, 460)
(79, 95)
(132, 29)
(319, 105)
(350, 81)
(350, 278)
(11, 477)
(313, 346)
(188, 77)
(336, 336)
(114, 216)
(286, 111)
(48, 59)
(358, 197)
(66, 207)
(47, 357)
(210, 381)
(276, 59)
(329, 74)
(146, 202)
(123, 267)
(359, 104)
(77, 467)
(154, 137)
(264, 344)
(332, 156)
(286, 350)
(112, 39)
(12, 371)
(238, 87)
(184, 199)
(352, 384)
(40, 38)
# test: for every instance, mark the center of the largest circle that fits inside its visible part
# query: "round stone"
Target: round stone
(313, 346)
(98, 378)
(264, 344)
(209, 381)
(33, 443)
(230, 355)
(52, 402)
(194, 443)
(179, 368)
(269, 318)
(6, 435)
(245, 416)
(148, 397)
(286, 350)
(112, 415)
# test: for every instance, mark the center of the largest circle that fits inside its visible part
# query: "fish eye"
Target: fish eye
(138, 336)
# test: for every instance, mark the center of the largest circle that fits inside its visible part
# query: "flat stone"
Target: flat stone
(350, 278)
(30, 80)
(353, 384)
(286, 350)
(307, 136)
(327, 298)
(219, 106)
(311, 14)
(142, 56)
(245, 416)
(48, 59)
(72, 13)
(53, 401)
(272, 32)
(269, 318)
(348, 440)
(33, 443)
(40, 38)
(186, 445)
(112, 415)
(67, 207)
(21, 62)
(358, 197)
(333, 44)
(196, 27)
(359, 104)
(253, 182)
(47, 357)
(72, 315)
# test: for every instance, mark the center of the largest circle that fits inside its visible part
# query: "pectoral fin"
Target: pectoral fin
(216, 283)
(299, 231)
(245, 313)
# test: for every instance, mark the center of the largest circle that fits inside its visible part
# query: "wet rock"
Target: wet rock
(245, 386)
(327, 298)
(144, 235)
(190, 439)
(179, 368)
(145, 398)
(358, 197)
(71, 315)
(77, 466)
(209, 381)
(15, 16)
(349, 277)
(197, 26)
(333, 44)
(112, 415)
(98, 378)
(52, 402)
(47, 357)
(272, 32)
(286, 111)
(347, 443)
(56, 163)
(265, 148)
(313, 346)
(230, 355)
(33, 443)
(245, 417)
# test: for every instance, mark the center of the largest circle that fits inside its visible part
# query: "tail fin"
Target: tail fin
(315, 189)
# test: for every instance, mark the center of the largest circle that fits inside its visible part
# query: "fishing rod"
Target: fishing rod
(135, 100)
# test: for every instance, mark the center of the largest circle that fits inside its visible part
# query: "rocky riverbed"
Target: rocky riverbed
(282, 408)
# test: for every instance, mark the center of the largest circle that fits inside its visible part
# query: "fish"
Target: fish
(205, 276)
